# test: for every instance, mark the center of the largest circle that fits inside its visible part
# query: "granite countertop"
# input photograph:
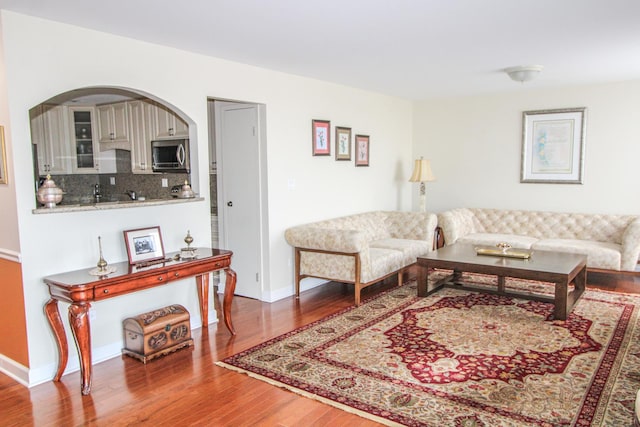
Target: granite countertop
(112, 205)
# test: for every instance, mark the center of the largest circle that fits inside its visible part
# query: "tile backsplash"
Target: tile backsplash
(79, 188)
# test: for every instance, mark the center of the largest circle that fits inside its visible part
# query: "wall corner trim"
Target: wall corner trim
(10, 255)
(14, 370)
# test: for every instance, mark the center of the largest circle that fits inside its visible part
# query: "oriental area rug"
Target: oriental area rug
(460, 358)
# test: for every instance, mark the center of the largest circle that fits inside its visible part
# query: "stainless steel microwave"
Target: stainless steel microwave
(170, 155)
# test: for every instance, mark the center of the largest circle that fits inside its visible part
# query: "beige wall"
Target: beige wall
(475, 147)
(43, 58)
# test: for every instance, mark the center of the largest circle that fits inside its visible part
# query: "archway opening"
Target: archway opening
(110, 145)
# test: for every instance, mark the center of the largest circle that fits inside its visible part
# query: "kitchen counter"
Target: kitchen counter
(112, 205)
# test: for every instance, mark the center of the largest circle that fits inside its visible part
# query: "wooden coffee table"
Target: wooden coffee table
(545, 266)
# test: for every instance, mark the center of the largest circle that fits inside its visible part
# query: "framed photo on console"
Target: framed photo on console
(553, 146)
(362, 150)
(144, 244)
(343, 143)
(321, 137)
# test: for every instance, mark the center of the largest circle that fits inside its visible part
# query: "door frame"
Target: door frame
(263, 217)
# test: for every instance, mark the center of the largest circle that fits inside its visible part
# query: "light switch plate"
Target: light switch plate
(165, 182)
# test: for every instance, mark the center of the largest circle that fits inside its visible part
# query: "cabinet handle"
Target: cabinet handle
(106, 291)
(176, 274)
(160, 278)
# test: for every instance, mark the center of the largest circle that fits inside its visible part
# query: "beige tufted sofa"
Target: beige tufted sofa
(611, 242)
(361, 249)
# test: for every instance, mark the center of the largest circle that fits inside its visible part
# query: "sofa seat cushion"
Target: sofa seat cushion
(599, 254)
(411, 249)
(383, 262)
(492, 239)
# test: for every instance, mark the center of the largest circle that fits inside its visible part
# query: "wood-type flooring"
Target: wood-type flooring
(186, 388)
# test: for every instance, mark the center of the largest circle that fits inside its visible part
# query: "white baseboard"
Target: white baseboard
(305, 285)
(33, 377)
(10, 255)
(15, 370)
(45, 373)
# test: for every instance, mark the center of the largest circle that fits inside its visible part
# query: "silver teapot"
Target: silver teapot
(186, 192)
(49, 193)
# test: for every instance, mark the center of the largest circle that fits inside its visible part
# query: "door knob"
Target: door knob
(229, 204)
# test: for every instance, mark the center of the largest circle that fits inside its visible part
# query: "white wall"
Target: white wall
(475, 147)
(9, 241)
(43, 58)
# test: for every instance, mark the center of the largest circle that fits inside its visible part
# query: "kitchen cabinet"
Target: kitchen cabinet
(48, 130)
(141, 131)
(83, 143)
(113, 126)
(169, 125)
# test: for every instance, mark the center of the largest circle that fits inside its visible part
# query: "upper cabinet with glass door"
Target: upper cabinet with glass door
(83, 143)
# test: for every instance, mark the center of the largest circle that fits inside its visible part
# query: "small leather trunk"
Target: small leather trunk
(157, 333)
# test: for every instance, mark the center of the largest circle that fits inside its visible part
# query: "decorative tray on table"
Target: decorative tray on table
(503, 250)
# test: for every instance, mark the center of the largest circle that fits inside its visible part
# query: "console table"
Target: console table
(80, 289)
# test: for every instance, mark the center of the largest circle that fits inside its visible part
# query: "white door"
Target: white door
(239, 204)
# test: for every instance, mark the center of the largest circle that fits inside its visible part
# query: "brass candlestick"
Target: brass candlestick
(102, 264)
(188, 240)
(188, 252)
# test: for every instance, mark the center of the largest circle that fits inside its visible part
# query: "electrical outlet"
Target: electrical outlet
(112, 180)
(165, 182)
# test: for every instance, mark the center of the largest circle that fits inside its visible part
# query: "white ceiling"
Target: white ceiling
(410, 48)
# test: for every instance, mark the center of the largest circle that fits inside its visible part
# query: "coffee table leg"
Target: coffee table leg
(423, 275)
(580, 284)
(560, 310)
(501, 284)
(455, 277)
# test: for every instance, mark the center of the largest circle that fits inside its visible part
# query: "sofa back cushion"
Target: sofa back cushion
(601, 228)
(411, 225)
(370, 223)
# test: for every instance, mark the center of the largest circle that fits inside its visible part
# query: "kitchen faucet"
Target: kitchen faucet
(132, 194)
(97, 193)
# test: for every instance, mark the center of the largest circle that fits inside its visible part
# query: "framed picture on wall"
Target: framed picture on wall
(553, 146)
(343, 143)
(362, 150)
(321, 137)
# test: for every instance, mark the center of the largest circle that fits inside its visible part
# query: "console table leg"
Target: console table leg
(81, 328)
(202, 281)
(55, 321)
(229, 289)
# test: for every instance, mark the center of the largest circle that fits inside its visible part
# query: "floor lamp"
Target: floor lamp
(422, 173)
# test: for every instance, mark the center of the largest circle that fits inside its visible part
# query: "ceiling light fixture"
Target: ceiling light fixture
(523, 73)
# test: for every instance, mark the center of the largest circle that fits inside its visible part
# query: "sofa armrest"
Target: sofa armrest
(630, 246)
(327, 239)
(456, 223)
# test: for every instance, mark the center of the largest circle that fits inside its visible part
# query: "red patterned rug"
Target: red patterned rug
(459, 358)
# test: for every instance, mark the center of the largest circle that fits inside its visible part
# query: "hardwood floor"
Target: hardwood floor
(187, 388)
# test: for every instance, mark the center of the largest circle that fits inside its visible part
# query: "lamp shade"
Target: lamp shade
(422, 171)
